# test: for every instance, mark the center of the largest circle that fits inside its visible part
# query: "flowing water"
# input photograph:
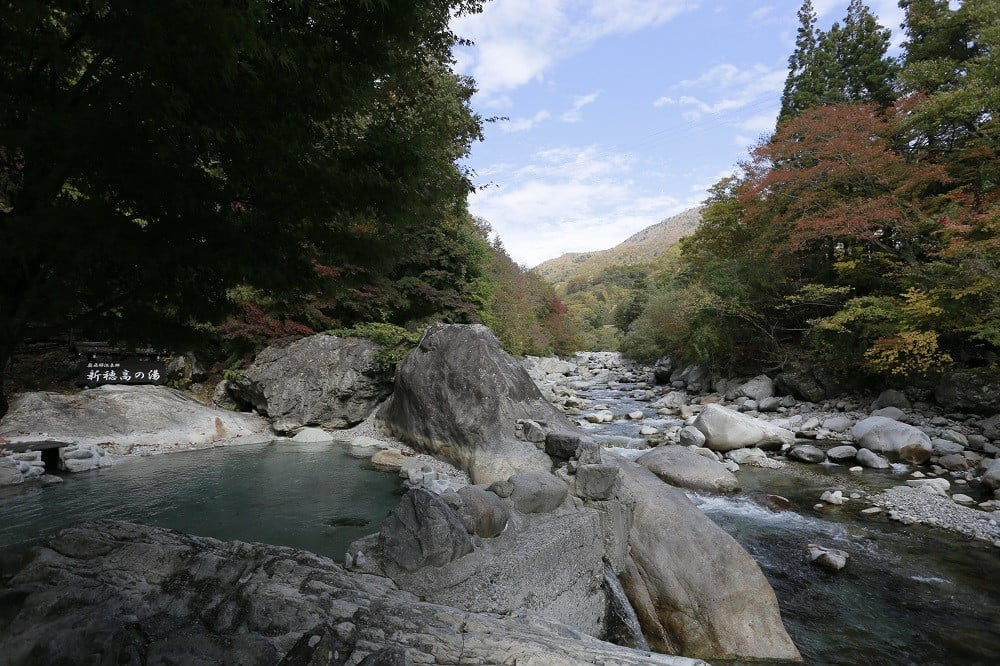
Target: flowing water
(311, 496)
(909, 595)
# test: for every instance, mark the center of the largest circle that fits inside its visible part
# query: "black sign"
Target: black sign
(121, 371)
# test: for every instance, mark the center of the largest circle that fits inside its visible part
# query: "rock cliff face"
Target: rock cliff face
(112, 592)
(459, 396)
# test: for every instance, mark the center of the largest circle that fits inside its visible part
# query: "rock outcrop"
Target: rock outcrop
(124, 419)
(459, 396)
(321, 381)
(699, 594)
(126, 593)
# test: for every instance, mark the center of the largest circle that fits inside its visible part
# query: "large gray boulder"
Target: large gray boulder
(695, 590)
(458, 395)
(127, 593)
(680, 466)
(125, 419)
(321, 381)
(726, 429)
(892, 438)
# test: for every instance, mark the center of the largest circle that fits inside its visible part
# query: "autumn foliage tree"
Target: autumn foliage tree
(865, 231)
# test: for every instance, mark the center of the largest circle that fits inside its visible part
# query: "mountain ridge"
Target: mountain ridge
(642, 247)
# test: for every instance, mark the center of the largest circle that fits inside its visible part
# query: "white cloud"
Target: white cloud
(572, 199)
(516, 41)
(523, 124)
(728, 88)
(761, 13)
(574, 114)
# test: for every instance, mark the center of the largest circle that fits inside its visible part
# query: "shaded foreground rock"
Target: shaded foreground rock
(700, 594)
(126, 419)
(127, 593)
(321, 380)
(458, 395)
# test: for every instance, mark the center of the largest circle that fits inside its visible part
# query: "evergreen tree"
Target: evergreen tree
(847, 63)
(801, 90)
(869, 73)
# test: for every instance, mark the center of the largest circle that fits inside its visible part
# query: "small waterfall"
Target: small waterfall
(623, 625)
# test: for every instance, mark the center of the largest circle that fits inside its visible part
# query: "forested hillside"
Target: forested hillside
(865, 232)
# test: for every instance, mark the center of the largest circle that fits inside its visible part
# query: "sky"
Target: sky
(620, 113)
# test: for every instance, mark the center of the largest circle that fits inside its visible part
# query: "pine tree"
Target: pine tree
(800, 90)
(847, 63)
(869, 73)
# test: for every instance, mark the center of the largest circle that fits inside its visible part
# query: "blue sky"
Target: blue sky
(621, 112)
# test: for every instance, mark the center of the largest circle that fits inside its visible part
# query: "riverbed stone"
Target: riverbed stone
(691, 436)
(954, 462)
(894, 413)
(562, 444)
(832, 559)
(944, 447)
(672, 401)
(725, 430)
(10, 472)
(321, 380)
(757, 389)
(680, 466)
(892, 398)
(312, 436)
(936, 486)
(991, 477)
(841, 454)
(872, 460)
(807, 453)
(888, 436)
(389, 459)
(838, 424)
(458, 395)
